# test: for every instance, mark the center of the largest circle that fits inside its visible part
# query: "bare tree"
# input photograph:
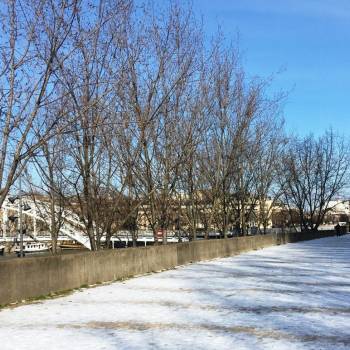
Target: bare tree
(32, 35)
(86, 77)
(314, 171)
(160, 60)
(268, 141)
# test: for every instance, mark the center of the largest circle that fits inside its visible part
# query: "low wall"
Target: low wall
(32, 277)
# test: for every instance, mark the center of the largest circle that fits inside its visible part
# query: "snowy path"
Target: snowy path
(295, 296)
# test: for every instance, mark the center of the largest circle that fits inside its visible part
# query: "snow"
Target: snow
(295, 296)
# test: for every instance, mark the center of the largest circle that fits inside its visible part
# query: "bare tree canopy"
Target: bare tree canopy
(125, 113)
(314, 171)
(33, 33)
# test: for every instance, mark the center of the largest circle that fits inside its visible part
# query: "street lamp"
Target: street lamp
(13, 218)
(20, 219)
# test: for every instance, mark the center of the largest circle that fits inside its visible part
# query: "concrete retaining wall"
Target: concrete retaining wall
(37, 276)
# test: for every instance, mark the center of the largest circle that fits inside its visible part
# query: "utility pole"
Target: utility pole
(20, 217)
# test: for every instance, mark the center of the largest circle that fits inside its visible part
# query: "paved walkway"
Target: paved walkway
(295, 296)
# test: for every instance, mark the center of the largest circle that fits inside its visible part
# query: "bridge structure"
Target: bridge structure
(72, 227)
(38, 210)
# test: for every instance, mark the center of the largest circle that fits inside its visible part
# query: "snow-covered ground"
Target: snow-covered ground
(295, 296)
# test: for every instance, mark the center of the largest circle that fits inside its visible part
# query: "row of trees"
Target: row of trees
(110, 108)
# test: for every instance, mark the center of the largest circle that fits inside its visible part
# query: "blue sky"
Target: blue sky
(307, 40)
